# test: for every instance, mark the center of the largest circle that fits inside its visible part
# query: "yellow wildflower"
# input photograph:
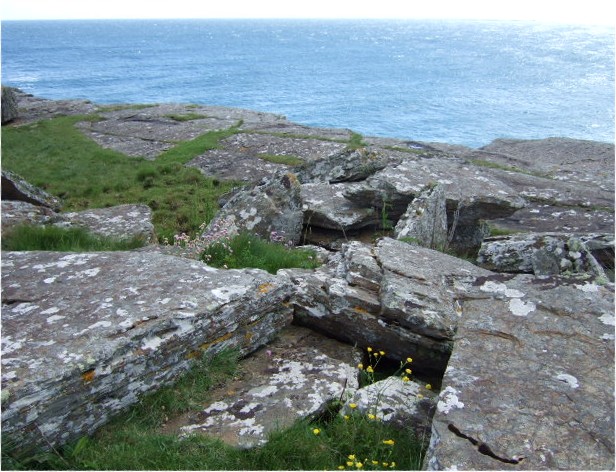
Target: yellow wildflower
(360, 366)
(340, 467)
(359, 465)
(347, 417)
(382, 353)
(408, 371)
(371, 417)
(375, 462)
(389, 442)
(420, 396)
(352, 406)
(369, 369)
(429, 387)
(316, 431)
(351, 457)
(376, 354)
(409, 360)
(350, 463)
(392, 465)
(385, 464)
(405, 379)
(369, 349)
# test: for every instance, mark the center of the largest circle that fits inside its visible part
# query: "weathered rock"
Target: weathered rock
(325, 206)
(83, 335)
(119, 222)
(545, 253)
(402, 404)
(33, 108)
(298, 376)
(530, 383)
(15, 187)
(15, 212)
(9, 105)
(348, 165)
(274, 206)
(394, 295)
(425, 219)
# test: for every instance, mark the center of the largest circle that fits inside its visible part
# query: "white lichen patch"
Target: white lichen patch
(500, 288)
(52, 319)
(448, 400)
(225, 294)
(50, 280)
(607, 319)
(520, 308)
(568, 379)
(50, 311)
(588, 287)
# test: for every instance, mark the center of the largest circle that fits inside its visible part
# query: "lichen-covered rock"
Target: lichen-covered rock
(9, 105)
(297, 376)
(530, 383)
(348, 165)
(84, 335)
(15, 187)
(274, 206)
(395, 295)
(405, 405)
(425, 220)
(325, 206)
(15, 212)
(545, 253)
(118, 222)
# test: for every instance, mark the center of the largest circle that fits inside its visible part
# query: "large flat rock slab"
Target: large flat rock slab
(296, 376)
(530, 383)
(84, 335)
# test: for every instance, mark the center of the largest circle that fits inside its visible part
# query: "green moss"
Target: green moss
(281, 159)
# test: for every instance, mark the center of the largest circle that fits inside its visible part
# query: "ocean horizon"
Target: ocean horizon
(457, 82)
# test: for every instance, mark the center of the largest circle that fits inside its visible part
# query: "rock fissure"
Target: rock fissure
(483, 448)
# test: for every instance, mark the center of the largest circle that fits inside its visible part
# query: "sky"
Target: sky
(561, 11)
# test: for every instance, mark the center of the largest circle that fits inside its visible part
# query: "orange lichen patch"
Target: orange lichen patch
(194, 354)
(248, 337)
(360, 309)
(224, 337)
(88, 376)
(266, 287)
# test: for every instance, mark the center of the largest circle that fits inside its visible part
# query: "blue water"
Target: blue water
(456, 82)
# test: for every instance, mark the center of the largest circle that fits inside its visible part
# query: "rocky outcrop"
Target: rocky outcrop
(299, 375)
(84, 335)
(394, 294)
(271, 208)
(548, 253)
(16, 188)
(530, 381)
(119, 222)
(9, 105)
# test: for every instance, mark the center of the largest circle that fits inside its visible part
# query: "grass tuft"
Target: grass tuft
(53, 238)
(248, 250)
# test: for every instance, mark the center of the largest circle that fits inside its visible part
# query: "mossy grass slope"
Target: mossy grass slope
(54, 155)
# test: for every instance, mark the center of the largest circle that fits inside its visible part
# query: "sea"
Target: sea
(457, 82)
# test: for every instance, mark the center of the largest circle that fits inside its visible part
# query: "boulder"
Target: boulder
(546, 253)
(15, 212)
(9, 105)
(84, 335)
(273, 206)
(425, 219)
(119, 222)
(530, 382)
(299, 375)
(393, 401)
(15, 187)
(348, 165)
(395, 295)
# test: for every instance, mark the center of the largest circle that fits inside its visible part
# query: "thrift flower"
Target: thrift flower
(389, 442)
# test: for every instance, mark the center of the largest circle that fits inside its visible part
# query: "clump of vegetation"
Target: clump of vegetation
(281, 159)
(54, 155)
(133, 441)
(53, 238)
(356, 141)
(186, 117)
(248, 250)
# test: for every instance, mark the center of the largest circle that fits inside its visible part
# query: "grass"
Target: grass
(55, 156)
(186, 117)
(52, 238)
(133, 441)
(281, 159)
(248, 250)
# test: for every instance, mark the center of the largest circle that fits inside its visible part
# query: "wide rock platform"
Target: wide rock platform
(84, 335)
